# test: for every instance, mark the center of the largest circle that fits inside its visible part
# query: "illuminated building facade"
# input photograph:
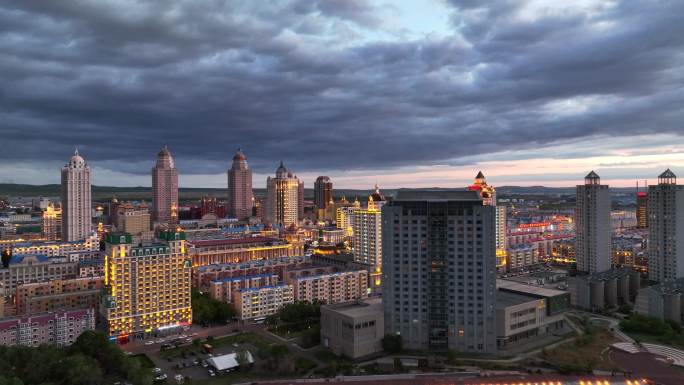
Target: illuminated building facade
(165, 189)
(666, 229)
(284, 198)
(642, 210)
(238, 250)
(54, 249)
(323, 192)
(52, 222)
(593, 226)
(76, 199)
(240, 196)
(488, 195)
(366, 224)
(260, 302)
(147, 287)
(59, 294)
(343, 216)
(61, 328)
(439, 271)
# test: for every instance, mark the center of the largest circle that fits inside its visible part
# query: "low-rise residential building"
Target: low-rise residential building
(59, 328)
(53, 249)
(34, 268)
(239, 250)
(327, 284)
(260, 302)
(202, 276)
(223, 289)
(353, 329)
(521, 257)
(91, 267)
(67, 294)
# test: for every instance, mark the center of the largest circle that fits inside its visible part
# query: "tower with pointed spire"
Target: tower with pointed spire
(76, 199)
(592, 225)
(164, 189)
(284, 198)
(666, 228)
(240, 195)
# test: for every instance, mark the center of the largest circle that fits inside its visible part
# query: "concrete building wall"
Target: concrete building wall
(353, 329)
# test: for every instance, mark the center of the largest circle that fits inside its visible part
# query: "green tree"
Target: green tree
(392, 343)
(80, 370)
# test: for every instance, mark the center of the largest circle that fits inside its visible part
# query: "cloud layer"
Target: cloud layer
(331, 86)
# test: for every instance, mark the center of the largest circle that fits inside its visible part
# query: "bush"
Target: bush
(638, 323)
(311, 337)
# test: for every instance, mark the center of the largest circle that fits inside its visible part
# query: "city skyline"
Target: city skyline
(420, 95)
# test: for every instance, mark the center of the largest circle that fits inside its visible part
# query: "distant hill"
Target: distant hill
(107, 192)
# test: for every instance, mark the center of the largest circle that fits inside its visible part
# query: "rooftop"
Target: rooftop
(437, 195)
(232, 241)
(516, 287)
(366, 307)
(505, 299)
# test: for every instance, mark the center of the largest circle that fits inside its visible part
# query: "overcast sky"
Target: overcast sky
(405, 93)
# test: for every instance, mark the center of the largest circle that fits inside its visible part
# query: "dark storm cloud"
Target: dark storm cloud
(305, 81)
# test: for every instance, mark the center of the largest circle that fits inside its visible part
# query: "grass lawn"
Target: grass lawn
(576, 356)
(251, 338)
(254, 339)
(283, 333)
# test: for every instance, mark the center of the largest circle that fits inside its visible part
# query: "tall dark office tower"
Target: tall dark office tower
(439, 270)
(323, 189)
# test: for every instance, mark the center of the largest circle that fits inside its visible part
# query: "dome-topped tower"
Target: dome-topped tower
(376, 200)
(76, 161)
(164, 158)
(76, 199)
(376, 196)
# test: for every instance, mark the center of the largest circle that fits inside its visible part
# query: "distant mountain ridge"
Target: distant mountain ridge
(139, 192)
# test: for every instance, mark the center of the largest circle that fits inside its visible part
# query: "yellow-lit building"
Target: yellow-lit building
(147, 287)
(366, 226)
(343, 216)
(52, 222)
